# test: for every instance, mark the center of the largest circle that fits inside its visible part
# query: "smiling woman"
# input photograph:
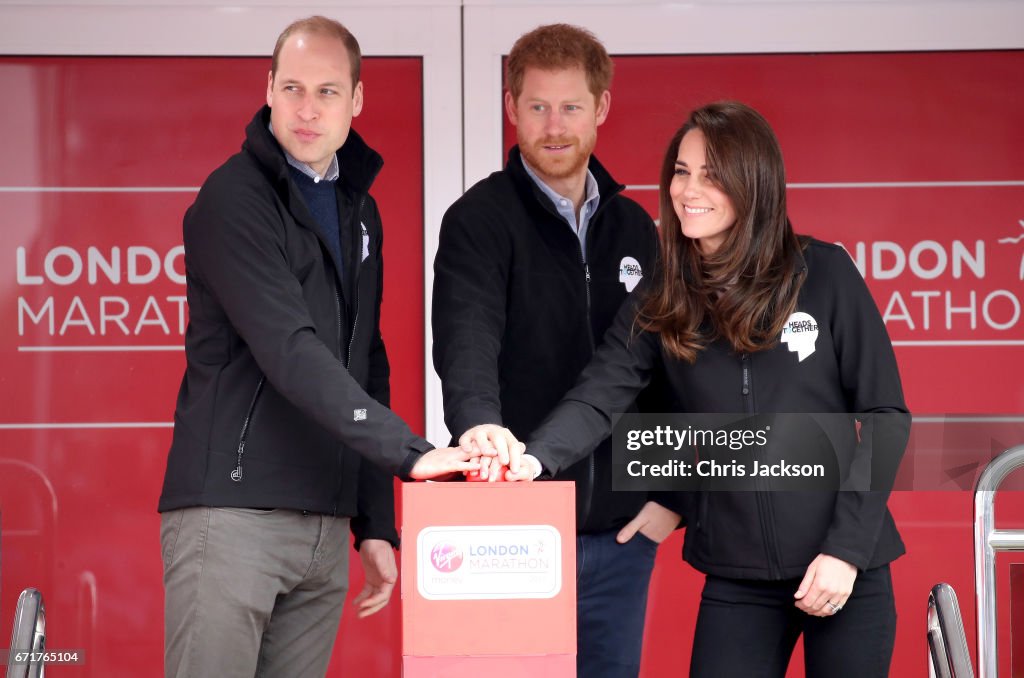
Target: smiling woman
(703, 208)
(717, 322)
(726, 236)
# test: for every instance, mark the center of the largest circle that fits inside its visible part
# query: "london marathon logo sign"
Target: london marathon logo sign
(489, 562)
(949, 291)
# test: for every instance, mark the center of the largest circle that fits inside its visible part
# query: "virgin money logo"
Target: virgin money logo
(446, 557)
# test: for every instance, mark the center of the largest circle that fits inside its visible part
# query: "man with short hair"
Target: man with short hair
(283, 405)
(532, 265)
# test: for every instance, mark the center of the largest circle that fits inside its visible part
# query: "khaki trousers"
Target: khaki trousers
(251, 592)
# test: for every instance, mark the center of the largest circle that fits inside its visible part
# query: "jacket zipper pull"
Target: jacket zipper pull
(746, 374)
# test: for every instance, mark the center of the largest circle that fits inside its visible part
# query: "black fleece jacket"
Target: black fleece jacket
(518, 310)
(285, 395)
(766, 534)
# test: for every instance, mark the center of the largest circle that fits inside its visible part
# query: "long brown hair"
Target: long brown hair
(747, 288)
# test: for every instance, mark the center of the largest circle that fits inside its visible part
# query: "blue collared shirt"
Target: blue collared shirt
(565, 206)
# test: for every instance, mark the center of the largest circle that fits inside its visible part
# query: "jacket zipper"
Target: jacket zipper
(765, 510)
(337, 310)
(355, 317)
(591, 462)
(355, 324)
(236, 474)
(748, 387)
(355, 289)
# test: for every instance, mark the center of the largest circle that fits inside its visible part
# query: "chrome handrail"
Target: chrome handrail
(28, 635)
(948, 655)
(988, 540)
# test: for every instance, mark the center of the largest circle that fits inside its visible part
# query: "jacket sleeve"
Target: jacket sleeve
(620, 369)
(871, 385)
(375, 504)
(471, 272)
(235, 244)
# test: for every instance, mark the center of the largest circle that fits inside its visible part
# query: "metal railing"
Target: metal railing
(948, 655)
(29, 635)
(987, 541)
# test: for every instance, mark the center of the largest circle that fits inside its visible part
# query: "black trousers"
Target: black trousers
(748, 628)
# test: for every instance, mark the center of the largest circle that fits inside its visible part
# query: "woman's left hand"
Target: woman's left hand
(826, 586)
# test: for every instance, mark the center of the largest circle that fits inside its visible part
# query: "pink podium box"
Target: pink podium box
(488, 580)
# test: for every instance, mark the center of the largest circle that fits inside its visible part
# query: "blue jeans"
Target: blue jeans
(611, 603)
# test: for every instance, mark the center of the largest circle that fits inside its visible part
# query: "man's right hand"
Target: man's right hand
(491, 440)
(445, 461)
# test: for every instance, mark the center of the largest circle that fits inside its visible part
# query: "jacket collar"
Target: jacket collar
(358, 163)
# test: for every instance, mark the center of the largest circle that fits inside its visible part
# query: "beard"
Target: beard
(563, 166)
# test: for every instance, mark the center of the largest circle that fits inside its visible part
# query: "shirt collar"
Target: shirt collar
(590, 189)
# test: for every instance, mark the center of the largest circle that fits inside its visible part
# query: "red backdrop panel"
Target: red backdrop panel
(97, 274)
(944, 261)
